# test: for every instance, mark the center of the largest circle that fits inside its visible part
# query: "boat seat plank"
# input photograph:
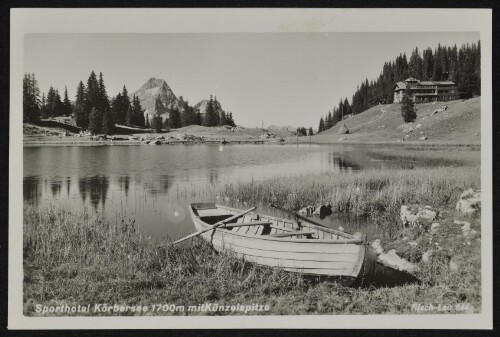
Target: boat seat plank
(255, 229)
(257, 223)
(243, 230)
(308, 233)
(273, 227)
(240, 230)
(248, 230)
(261, 228)
(321, 235)
(282, 229)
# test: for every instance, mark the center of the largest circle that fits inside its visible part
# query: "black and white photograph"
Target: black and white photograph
(292, 171)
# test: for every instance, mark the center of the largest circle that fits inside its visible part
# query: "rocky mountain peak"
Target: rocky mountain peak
(154, 83)
(151, 90)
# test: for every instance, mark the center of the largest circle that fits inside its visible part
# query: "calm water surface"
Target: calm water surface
(155, 184)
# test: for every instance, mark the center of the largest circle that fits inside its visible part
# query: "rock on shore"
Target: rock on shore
(469, 202)
(392, 259)
(413, 215)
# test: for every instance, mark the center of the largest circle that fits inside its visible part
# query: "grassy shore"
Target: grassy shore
(378, 194)
(75, 258)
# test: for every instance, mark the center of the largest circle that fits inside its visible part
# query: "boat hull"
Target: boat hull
(325, 255)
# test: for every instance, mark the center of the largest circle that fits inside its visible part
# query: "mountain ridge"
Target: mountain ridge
(157, 87)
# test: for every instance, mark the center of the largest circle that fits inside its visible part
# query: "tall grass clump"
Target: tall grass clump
(362, 193)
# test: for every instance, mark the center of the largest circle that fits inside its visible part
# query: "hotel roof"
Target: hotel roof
(402, 85)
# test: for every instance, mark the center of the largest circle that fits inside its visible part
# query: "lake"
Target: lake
(153, 185)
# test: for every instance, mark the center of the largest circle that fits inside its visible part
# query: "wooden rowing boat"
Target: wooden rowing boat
(276, 242)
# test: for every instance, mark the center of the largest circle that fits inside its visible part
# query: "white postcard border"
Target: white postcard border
(25, 21)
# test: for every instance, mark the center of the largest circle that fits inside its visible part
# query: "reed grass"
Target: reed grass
(366, 193)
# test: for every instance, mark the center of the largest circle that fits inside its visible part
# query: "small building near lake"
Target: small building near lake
(426, 91)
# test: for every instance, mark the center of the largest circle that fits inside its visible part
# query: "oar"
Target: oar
(298, 215)
(218, 224)
(337, 232)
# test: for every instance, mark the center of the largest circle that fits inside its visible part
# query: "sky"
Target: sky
(271, 78)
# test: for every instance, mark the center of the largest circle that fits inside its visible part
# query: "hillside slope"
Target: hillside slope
(460, 124)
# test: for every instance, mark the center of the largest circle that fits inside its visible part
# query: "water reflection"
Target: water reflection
(342, 162)
(68, 186)
(213, 176)
(95, 188)
(32, 190)
(159, 185)
(55, 187)
(124, 183)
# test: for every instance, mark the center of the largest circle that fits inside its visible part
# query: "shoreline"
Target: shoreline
(73, 142)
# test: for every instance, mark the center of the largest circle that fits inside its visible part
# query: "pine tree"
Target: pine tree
(453, 59)
(198, 120)
(147, 125)
(209, 113)
(427, 65)
(175, 119)
(321, 126)
(92, 94)
(107, 122)
(121, 108)
(341, 109)
(130, 118)
(116, 108)
(103, 101)
(135, 114)
(51, 102)
(415, 65)
(310, 132)
(347, 108)
(81, 119)
(157, 123)
(222, 118)
(187, 114)
(230, 120)
(58, 109)
(477, 69)
(31, 99)
(301, 131)
(44, 111)
(216, 108)
(159, 107)
(95, 121)
(444, 64)
(67, 106)
(437, 70)
(408, 110)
